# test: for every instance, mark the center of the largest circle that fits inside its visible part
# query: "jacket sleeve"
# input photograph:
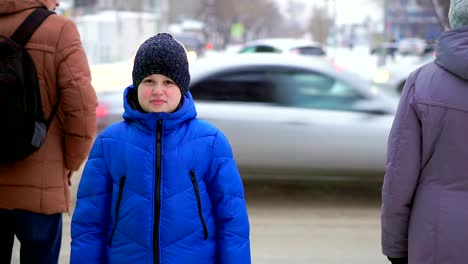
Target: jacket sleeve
(78, 98)
(90, 220)
(402, 173)
(227, 193)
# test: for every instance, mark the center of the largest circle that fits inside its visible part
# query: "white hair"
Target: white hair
(458, 13)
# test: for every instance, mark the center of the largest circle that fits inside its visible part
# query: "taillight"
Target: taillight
(209, 46)
(338, 66)
(102, 110)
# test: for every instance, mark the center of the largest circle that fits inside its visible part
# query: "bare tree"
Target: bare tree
(441, 8)
(126, 5)
(320, 24)
(259, 17)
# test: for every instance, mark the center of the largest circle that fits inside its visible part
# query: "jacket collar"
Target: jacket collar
(148, 121)
(13, 6)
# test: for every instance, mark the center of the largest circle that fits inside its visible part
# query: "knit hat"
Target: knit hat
(458, 13)
(162, 54)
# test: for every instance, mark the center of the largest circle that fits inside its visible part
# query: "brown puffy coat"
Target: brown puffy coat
(40, 183)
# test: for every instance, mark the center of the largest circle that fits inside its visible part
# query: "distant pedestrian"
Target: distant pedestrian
(161, 186)
(34, 191)
(425, 190)
(392, 48)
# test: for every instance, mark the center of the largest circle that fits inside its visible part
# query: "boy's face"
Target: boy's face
(157, 93)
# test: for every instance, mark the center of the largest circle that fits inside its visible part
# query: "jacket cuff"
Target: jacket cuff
(398, 260)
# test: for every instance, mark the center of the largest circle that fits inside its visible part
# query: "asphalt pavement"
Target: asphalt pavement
(302, 223)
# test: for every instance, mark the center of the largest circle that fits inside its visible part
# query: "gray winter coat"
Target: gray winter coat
(425, 190)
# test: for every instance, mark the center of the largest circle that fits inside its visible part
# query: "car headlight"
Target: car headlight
(381, 76)
(375, 90)
(191, 55)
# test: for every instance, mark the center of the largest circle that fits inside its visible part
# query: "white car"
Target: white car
(392, 77)
(288, 116)
(412, 46)
(284, 45)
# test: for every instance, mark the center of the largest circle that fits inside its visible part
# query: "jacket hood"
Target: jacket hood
(13, 6)
(452, 52)
(147, 121)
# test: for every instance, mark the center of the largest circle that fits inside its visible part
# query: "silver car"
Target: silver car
(284, 45)
(287, 116)
(392, 77)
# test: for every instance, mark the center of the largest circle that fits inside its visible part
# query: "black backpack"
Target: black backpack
(23, 126)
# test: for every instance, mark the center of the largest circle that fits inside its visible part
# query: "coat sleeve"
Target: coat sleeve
(78, 100)
(227, 193)
(90, 220)
(402, 173)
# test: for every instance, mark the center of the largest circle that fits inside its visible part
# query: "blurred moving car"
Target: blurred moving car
(284, 45)
(393, 76)
(289, 117)
(412, 46)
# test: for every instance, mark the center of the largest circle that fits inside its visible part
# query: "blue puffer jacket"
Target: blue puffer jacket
(160, 188)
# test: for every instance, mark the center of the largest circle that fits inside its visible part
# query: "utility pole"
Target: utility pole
(383, 51)
(330, 10)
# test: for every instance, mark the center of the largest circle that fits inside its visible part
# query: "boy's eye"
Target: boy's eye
(169, 82)
(148, 80)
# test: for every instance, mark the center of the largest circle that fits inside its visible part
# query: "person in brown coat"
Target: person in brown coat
(34, 192)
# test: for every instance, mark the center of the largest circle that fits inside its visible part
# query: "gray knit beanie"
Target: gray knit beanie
(458, 13)
(162, 54)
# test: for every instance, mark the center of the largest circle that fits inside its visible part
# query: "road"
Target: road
(303, 223)
(315, 223)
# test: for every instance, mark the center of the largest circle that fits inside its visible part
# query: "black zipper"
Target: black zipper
(157, 194)
(200, 211)
(117, 207)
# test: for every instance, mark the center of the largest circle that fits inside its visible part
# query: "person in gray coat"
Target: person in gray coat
(425, 189)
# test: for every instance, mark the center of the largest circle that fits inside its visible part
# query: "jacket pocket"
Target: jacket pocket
(200, 211)
(117, 207)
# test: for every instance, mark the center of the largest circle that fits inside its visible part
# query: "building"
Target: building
(412, 18)
(112, 30)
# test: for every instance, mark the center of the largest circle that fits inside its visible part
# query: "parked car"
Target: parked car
(393, 76)
(289, 117)
(284, 45)
(193, 43)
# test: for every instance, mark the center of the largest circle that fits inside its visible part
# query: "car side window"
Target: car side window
(250, 49)
(309, 51)
(264, 48)
(315, 90)
(260, 48)
(235, 87)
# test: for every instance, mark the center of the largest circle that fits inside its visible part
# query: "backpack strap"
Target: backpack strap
(29, 25)
(24, 33)
(52, 114)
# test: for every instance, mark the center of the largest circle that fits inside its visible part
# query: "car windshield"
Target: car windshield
(260, 48)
